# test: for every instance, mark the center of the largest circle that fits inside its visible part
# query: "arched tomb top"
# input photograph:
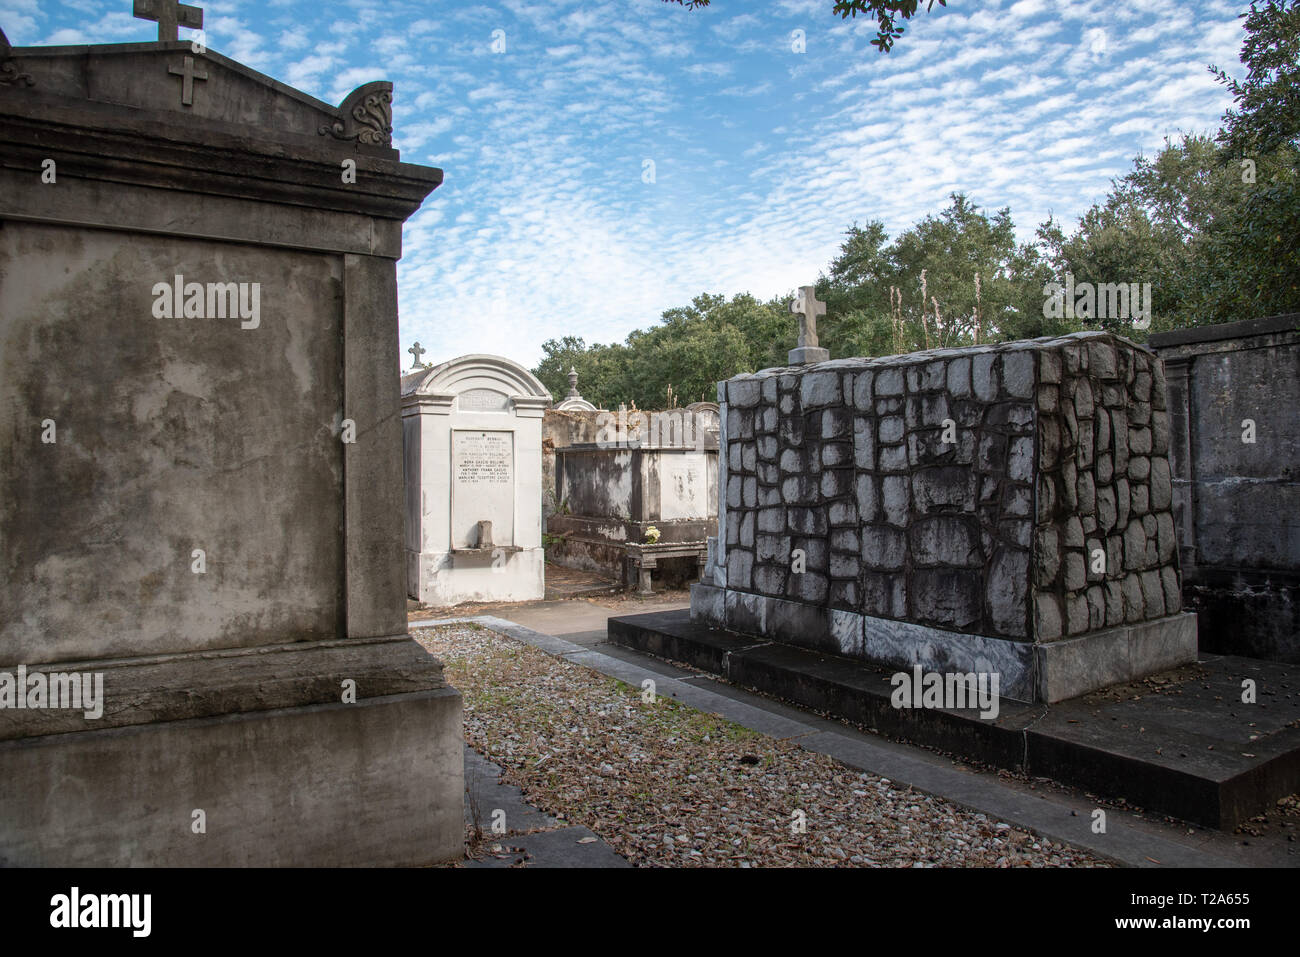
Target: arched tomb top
(475, 373)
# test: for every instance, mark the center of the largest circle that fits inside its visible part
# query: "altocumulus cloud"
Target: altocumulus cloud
(605, 161)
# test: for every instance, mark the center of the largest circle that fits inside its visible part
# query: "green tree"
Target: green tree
(678, 361)
(1215, 240)
(1267, 112)
(887, 13)
(953, 279)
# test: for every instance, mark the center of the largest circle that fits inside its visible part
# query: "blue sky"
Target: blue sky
(550, 223)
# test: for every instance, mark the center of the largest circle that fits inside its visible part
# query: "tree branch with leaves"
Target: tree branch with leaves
(889, 14)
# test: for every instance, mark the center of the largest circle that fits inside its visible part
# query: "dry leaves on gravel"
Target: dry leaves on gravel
(667, 785)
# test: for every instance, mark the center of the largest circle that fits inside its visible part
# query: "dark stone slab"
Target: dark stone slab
(1179, 743)
(1246, 612)
(672, 635)
(1186, 749)
(1287, 322)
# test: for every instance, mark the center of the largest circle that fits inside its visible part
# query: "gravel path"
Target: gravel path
(667, 785)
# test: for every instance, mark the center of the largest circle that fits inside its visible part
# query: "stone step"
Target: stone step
(1179, 743)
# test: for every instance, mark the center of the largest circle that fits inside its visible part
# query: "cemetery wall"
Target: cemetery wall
(1233, 394)
(562, 428)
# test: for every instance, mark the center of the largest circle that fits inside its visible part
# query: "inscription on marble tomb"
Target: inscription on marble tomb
(483, 486)
(484, 458)
(483, 400)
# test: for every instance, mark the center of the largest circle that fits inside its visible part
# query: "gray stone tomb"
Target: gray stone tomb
(201, 503)
(991, 509)
(1234, 392)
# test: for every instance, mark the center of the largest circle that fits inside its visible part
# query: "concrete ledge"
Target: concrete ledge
(881, 641)
(213, 683)
(1075, 666)
(1268, 325)
(376, 783)
(443, 579)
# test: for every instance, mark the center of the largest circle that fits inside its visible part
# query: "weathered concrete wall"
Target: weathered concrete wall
(1238, 500)
(696, 427)
(1018, 493)
(562, 428)
(155, 422)
(604, 483)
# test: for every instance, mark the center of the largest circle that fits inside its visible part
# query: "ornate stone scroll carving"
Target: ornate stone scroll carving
(367, 115)
(9, 75)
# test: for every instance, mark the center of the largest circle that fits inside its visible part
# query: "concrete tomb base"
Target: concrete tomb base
(1047, 672)
(444, 579)
(248, 757)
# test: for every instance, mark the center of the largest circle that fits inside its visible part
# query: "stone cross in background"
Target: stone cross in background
(169, 14)
(808, 309)
(417, 350)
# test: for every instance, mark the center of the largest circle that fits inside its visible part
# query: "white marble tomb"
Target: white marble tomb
(472, 444)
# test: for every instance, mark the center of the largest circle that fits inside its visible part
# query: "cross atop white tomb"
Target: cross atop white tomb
(417, 350)
(808, 308)
(170, 14)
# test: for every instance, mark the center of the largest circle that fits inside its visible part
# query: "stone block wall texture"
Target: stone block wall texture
(972, 490)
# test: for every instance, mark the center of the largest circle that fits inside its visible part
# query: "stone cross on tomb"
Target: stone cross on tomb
(188, 75)
(169, 14)
(807, 308)
(417, 350)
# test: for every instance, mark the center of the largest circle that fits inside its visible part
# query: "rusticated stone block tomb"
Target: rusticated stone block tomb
(1003, 508)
